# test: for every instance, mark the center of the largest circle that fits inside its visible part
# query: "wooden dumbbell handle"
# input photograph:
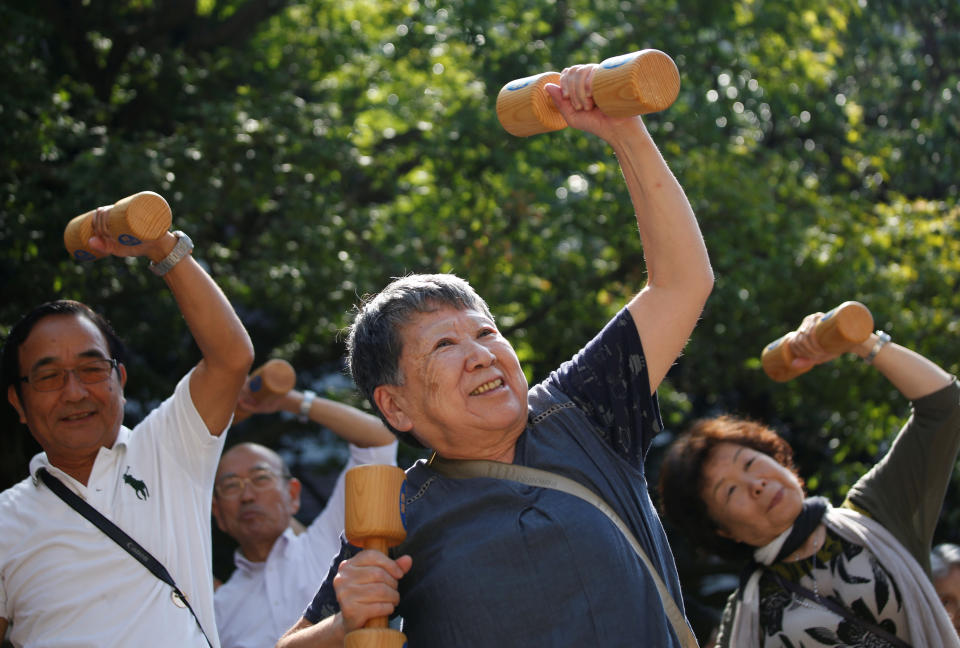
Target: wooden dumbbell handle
(374, 500)
(143, 216)
(632, 84)
(838, 331)
(273, 378)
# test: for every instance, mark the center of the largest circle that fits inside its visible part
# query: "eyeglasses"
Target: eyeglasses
(47, 379)
(260, 479)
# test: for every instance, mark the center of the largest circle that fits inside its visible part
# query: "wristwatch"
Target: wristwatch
(305, 405)
(882, 340)
(183, 247)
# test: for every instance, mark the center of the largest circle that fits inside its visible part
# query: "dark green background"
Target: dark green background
(314, 150)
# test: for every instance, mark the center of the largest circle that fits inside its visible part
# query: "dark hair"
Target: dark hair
(681, 476)
(374, 344)
(10, 367)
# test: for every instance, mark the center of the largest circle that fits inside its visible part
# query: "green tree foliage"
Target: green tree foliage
(315, 149)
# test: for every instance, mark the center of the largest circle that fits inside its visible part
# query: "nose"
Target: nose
(757, 485)
(480, 356)
(246, 493)
(73, 389)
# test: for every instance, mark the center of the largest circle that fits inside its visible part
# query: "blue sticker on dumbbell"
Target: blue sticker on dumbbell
(403, 504)
(617, 61)
(129, 239)
(519, 85)
(83, 255)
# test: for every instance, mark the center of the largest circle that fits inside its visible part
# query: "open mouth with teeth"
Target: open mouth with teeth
(487, 386)
(76, 417)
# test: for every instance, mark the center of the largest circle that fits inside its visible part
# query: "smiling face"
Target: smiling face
(71, 424)
(463, 393)
(750, 496)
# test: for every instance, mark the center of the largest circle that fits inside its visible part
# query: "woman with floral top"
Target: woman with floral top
(855, 575)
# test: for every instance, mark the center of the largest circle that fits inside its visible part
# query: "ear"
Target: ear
(123, 374)
(293, 489)
(390, 402)
(15, 402)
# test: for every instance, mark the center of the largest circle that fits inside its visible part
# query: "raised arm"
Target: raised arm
(911, 373)
(223, 341)
(679, 276)
(349, 423)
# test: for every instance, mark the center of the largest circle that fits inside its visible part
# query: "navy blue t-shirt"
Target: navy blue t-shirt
(497, 563)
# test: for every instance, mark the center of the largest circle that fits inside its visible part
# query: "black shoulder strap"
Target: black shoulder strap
(117, 534)
(840, 610)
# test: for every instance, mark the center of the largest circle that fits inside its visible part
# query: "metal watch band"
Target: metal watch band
(183, 247)
(882, 340)
(305, 405)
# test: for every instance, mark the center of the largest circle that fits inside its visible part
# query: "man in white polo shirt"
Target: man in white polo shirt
(255, 498)
(63, 581)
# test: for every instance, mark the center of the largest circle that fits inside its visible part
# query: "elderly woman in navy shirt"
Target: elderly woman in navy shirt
(490, 562)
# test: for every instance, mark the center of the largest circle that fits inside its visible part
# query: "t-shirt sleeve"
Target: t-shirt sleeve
(324, 602)
(904, 492)
(608, 380)
(177, 431)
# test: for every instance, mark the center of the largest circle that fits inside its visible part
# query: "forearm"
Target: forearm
(679, 275)
(349, 423)
(223, 342)
(911, 373)
(329, 633)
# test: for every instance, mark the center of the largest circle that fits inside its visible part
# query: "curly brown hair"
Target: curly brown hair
(681, 476)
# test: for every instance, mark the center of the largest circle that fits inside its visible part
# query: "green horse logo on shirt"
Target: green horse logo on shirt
(139, 486)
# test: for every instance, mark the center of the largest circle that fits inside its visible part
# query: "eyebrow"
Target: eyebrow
(255, 467)
(720, 481)
(93, 354)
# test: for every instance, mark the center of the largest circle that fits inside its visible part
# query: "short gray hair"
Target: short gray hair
(942, 558)
(373, 341)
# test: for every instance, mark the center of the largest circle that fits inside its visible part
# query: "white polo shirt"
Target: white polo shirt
(262, 600)
(63, 582)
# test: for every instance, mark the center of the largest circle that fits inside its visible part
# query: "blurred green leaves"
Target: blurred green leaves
(315, 149)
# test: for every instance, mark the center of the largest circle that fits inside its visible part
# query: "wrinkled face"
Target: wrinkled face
(750, 496)
(948, 588)
(463, 393)
(72, 423)
(254, 515)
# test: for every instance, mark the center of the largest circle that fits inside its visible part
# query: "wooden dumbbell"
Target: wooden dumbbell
(838, 331)
(144, 216)
(272, 378)
(374, 499)
(631, 84)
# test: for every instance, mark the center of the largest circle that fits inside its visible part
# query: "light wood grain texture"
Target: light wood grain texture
(273, 378)
(143, 216)
(838, 331)
(375, 512)
(632, 84)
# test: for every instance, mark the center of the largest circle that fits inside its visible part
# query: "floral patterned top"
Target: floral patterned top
(906, 501)
(844, 572)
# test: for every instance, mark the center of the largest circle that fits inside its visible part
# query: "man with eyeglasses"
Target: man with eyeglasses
(63, 580)
(254, 500)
